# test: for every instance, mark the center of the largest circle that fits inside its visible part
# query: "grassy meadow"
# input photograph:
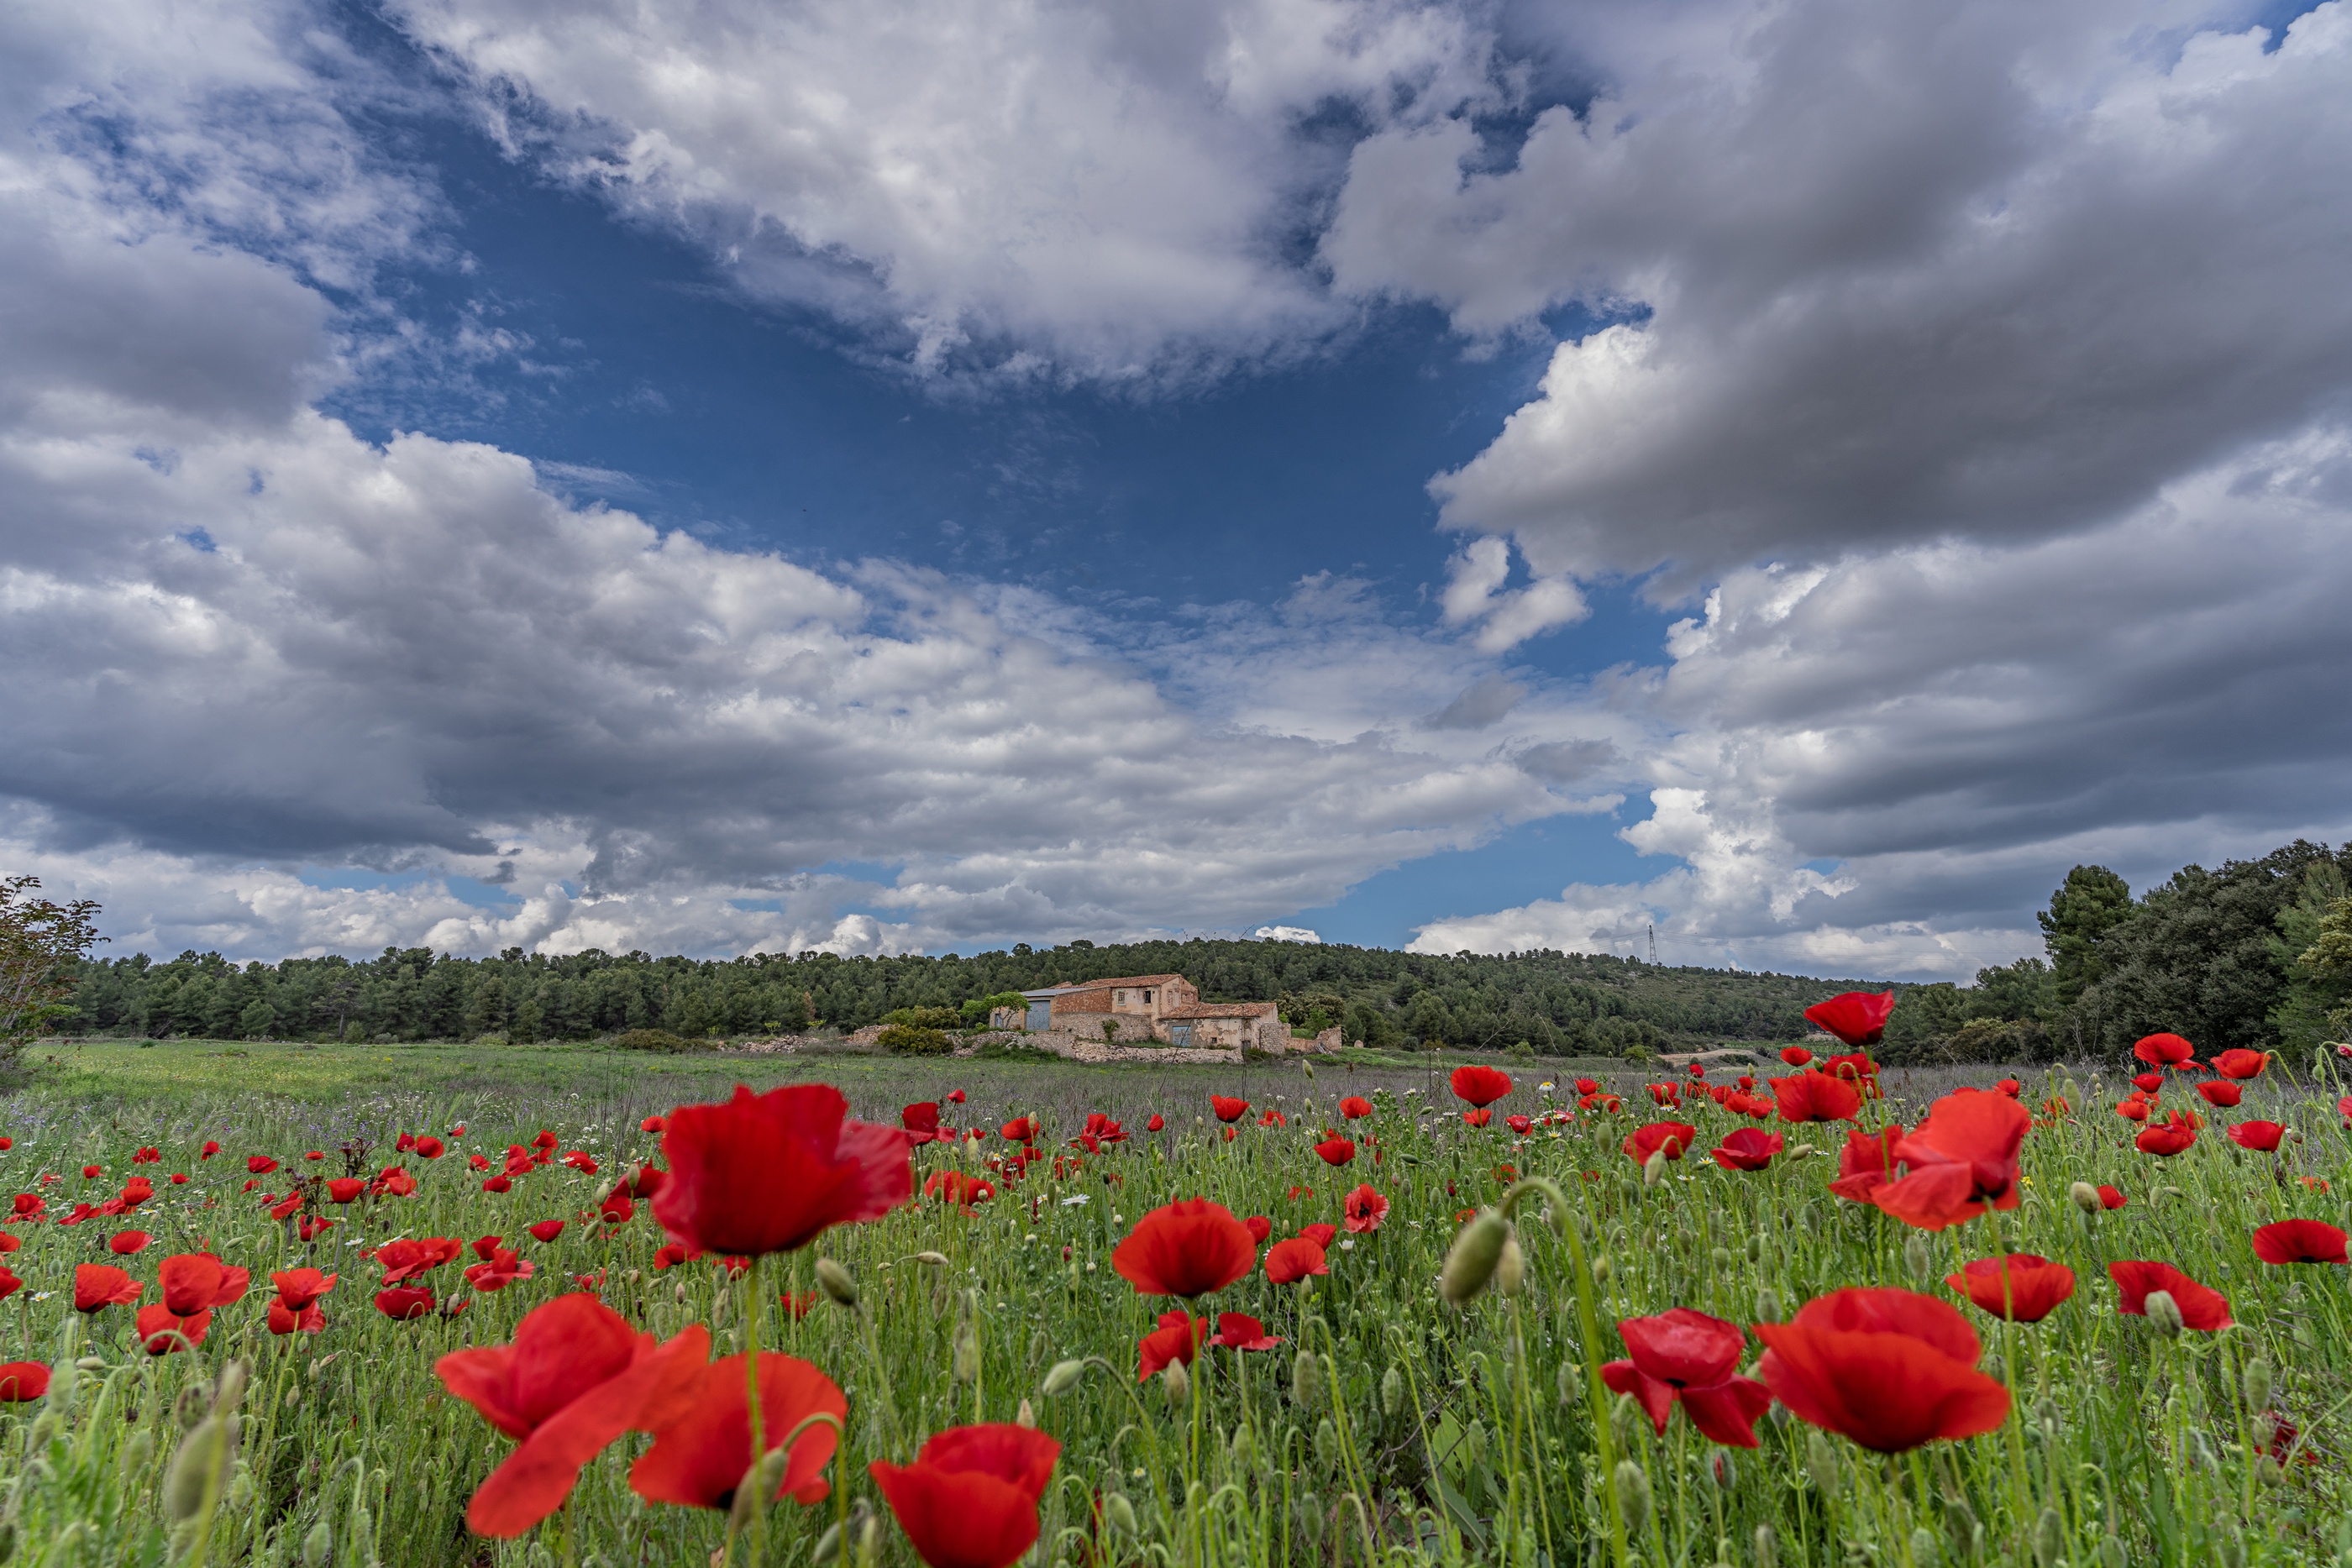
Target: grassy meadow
(1409, 1430)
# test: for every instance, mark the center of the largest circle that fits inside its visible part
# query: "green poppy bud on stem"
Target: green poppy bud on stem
(869, 1542)
(138, 1452)
(1306, 1380)
(836, 1280)
(1327, 1442)
(1511, 1268)
(1475, 1256)
(1176, 1384)
(319, 1545)
(1821, 1464)
(2163, 1313)
(1026, 1416)
(1244, 1446)
(936, 1259)
(759, 1484)
(2049, 1538)
(1063, 1376)
(1768, 1305)
(1768, 1547)
(828, 1546)
(1632, 1496)
(1654, 1169)
(2258, 1386)
(1926, 1551)
(1391, 1393)
(2086, 1197)
(196, 1469)
(967, 1355)
(1120, 1514)
(1916, 1257)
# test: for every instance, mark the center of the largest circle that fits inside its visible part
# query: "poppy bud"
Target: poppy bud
(1756, 1248)
(759, 1484)
(1654, 1169)
(196, 1469)
(1768, 1305)
(1473, 1260)
(1511, 1268)
(1821, 1464)
(2163, 1313)
(1961, 1518)
(1726, 1476)
(1175, 1384)
(138, 1452)
(2086, 1197)
(1327, 1443)
(967, 1355)
(1722, 1257)
(2258, 1386)
(1306, 1380)
(2111, 1553)
(936, 1259)
(1392, 1392)
(1063, 1376)
(1632, 1496)
(828, 1546)
(1026, 1416)
(1244, 1446)
(319, 1545)
(1926, 1549)
(1622, 1417)
(1768, 1547)
(229, 1393)
(1917, 1259)
(1120, 1514)
(2049, 1538)
(869, 1542)
(1569, 1374)
(1601, 1268)
(836, 1282)
(190, 1410)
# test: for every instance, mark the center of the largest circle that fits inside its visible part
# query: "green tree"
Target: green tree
(42, 946)
(2088, 906)
(256, 1021)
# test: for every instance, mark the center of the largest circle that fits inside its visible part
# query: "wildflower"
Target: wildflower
(1890, 1369)
(2112, 1198)
(2262, 1137)
(1239, 1331)
(1480, 1086)
(1176, 1339)
(1291, 1261)
(652, 1125)
(1320, 1234)
(148, 1156)
(1747, 1149)
(1363, 1210)
(501, 1270)
(296, 1308)
(22, 1382)
(921, 1121)
(2221, 1094)
(970, 1500)
(700, 1456)
(2021, 1287)
(1259, 1226)
(1672, 1137)
(1187, 1249)
(2170, 1137)
(2241, 1064)
(123, 1243)
(1478, 1118)
(1021, 1129)
(2010, 1087)
(208, 1151)
(581, 1160)
(1522, 1125)
(2132, 1109)
(345, 1189)
(1686, 1357)
(1857, 1018)
(1815, 1097)
(2200, 1307)
(194, 1283)
(770, 1173)
(2164, 1050)
(546, 1230)
(97, 1286)
(497, 1184)
(404, 1302)
(1336, 1151)
(430, 1148)
(1156, 1124)
(257, 1165)
(1355, 1107)
(1959, 1161)
(407, 1258)
(163, 1331)
(2299, 1242)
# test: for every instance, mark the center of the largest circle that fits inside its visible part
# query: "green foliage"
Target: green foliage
(2085, 910)
(926, 1018)
(976, 1011)
(2314, 947)
(912, 1040)
(43, 945)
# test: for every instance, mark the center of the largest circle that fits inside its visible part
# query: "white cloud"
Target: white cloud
(1286, 934)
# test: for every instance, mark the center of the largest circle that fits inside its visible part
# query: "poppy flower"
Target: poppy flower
(321, 1154)
(194, 1283)
(700, 1456)
(163, 1331)
(123, 1243)
(581, 1160)
(921, 1121)
(1259, 1226)
(1176, 1339)
(345, 1189)
(1673, 1137)
(286, 1320)
(1747, 1149)
(1156, 1124)
(1794, 1055)
(2202, 1308)
(2148, 1083)
(2010, 1087)
(2221, 1094)
(770, 1173)
(1273, 1118)
(309, 1225)
(2299, 1242)
(92, 1172)
(2112, 1198)
(97, 1286)
(407, 1258)
(1228, 1109)
(970, 1500)
(2239, 1063)
(1478, 1118)
(2134, 1109)
(1857, 1018)
(1187, 1249)
(1522, 1125)
(1239, 1331)
(1355, 1107)
(576, 1376)
(258, 1165)
(1687, 1357)
(497, 1184)
(1856, 1067)
(1815, 1097)
(2022, 1288)
(2262, 1137)
(1959, 1161)
(179, 1178)
(1890, 1369)
(2169, 1138)
(617, 1207)
(9, 1283)
(1021, 1129)
(2164, 1049)
(1291, 1261)
(546, 1230)
(300, 1288)
(430, 1148)
(402, 1303)
(501, 1268)
(208, 1151)
(21, 1382)
(1363, 1210)
(1320, 1234)
(1336, 1151)
(1480, 1086)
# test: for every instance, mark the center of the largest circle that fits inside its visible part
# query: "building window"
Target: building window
(1147, 999)
(1181, 1033)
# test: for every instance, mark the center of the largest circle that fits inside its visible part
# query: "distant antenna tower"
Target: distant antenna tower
(1653, 942)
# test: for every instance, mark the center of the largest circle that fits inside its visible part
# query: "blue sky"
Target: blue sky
(1427, 473)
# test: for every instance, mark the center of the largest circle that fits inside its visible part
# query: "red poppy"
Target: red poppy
(970, 1500)
(1336, 1151)
(581, 1160)
(163, 1331)
(1355, 1107)
(97, 1286)
(395, 1181)
(1890, 1369)
(2221, 1094)
(770, 1173)
(2170, 1137)
(300, 1288)
(208, 1151)
(1363, 1210)
(1747, 1149)
(194, 1282)
(1188, 1249)
(1686, 1357)
(9, 1283)
(2201, 1307)
(1321, 1234)
(1228, 1109)
(258, 1165)
(430, 1148)
(1815, 1097)
(1673, 1137)
(1259, 1226)
(2164, 1050)
(2022, 1288)
(2299, 1242)
(576, 1376)
(617, 1206)
(1021, 1129)
(1522, 1125)
(123, 1243)
(1480, 1086)
(402, 1303)
(1273, 1118)
(1156, 1124)
(495, 1273)
(345, 1189)
(1176, 1339)
(2148, 1083)
(1857, 1018)
(2262, 1137)
(407, 1258)
(286, 1320)
(1291, 1261)
(2010, 1087)
(2112, 1198)
(94, 1171)
(2134, 1109)
(700, 1456)
(651, 1124)
(1856, 1067)
(921, 1121)
(21, 1382)
(1960, 1162)
(1588, 1086)
(497, 1184)
(2239, 1063)
(1478, 1118)
(1794, 1055)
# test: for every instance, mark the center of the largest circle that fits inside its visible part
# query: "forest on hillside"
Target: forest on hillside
(2256, 953)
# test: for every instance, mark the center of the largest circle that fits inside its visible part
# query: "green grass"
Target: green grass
(1478, 1449)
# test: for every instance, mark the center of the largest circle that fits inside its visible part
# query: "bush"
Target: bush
(975, 1012)
(655, 1039)
(933, 1019)
(907, 1039)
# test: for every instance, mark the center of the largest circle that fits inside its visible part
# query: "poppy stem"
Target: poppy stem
(751, 1400)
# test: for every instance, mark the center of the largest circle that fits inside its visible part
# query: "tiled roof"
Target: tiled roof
(1117, 980)
(1219, 1011)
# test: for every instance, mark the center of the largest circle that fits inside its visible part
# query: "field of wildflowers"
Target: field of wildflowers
(1799, 1317)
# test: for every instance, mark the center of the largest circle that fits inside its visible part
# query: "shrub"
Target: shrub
(653, 1039)
(908, 1040)
(925, 1018)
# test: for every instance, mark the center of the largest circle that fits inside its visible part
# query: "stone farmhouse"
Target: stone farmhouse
(1165, 1008)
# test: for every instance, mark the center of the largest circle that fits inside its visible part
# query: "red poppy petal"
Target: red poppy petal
(1727, 1412)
